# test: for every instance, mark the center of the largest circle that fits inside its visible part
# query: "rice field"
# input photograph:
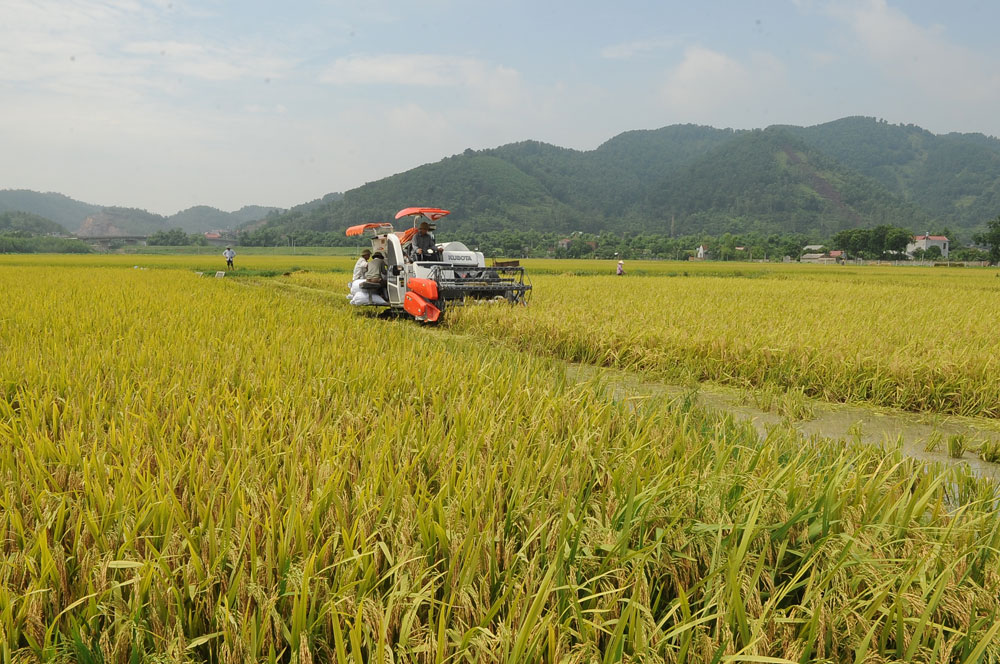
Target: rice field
(917, 339)
(236, 470)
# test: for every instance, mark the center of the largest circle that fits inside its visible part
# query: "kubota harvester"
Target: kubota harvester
(423, 288)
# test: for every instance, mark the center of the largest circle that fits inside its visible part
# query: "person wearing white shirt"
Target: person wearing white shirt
(360, 268)
(362, 265)
(229, 255)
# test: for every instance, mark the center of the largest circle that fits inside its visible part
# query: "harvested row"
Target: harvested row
(213, 471)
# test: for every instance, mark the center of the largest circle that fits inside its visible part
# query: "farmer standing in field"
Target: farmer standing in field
(229, 255)
(621, 269)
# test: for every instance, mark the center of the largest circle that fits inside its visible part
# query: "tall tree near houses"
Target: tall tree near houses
(991, 238)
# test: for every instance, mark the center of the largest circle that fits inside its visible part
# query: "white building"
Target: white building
(817, 258)
(927, 241)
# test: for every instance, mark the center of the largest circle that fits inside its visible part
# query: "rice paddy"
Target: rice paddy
(915, 339)
(235, 470)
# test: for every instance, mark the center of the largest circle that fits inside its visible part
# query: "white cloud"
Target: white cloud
(822, 58)
(707, 84)
(490, 86)
(631, 49)
(208, 63)
(406, 69)
(919, 56)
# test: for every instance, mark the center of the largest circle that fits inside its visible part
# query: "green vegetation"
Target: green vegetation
(836, 333)
(217, 470)
(879, 242)
(61, 209)
(97, 220)
(25, 223)
(688, 180)
(17, 244)
(771, 182)
(176, 237)
(955, 178)
(677, 181)
(991, 238)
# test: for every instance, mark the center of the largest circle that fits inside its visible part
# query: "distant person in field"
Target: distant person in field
(424, 247)
(229, 255)
(362, 265)
(621, 269)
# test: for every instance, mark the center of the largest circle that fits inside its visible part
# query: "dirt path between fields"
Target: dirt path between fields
(924, 437)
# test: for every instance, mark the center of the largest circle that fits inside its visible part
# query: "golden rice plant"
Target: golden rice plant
(906, 338)
(215, 470)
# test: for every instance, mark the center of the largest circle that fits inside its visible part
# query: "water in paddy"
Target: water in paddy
(923, 437)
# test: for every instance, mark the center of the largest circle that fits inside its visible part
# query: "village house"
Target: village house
(813, 253)
(926, 241)
(816, 258)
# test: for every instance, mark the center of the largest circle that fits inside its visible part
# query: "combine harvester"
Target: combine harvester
(424, 289)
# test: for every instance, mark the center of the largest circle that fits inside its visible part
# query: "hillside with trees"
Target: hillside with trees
(87, 219)
(954, 177)
(771, 182)
(25, 223)
(58, 208)
(678, 180)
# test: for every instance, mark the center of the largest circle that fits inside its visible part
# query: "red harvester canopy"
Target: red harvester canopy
(360, 228)
(433, 214)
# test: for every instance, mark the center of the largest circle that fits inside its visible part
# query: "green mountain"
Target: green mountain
(770, 181)
(682, 179)
(954, 177)
(855, 172)
(86, 219)
(484, 191)
(118, 221)
(25, 223)
(203, 218)
(63, 210)
(199, 219)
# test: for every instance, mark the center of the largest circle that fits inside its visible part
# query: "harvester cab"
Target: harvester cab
(423, 289)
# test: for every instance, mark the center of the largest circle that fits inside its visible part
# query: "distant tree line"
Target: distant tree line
(991, 239)
(533, 243)
(880, 242)
(20, 242)
(176, 237)
(883, 242)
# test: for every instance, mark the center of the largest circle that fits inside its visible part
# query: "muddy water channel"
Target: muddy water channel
(924, 437)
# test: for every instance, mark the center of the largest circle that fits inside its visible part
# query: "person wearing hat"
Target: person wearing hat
(621, 269)
(229, 255)
(424, 247)
(362, 265)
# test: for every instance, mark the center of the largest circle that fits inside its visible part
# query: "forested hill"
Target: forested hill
(62, 210)
(855, 172)
(28, 224)
(769, 181)
(88, 219)
(954, 177)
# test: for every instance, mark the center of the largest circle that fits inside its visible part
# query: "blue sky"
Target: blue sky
(165, 104)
